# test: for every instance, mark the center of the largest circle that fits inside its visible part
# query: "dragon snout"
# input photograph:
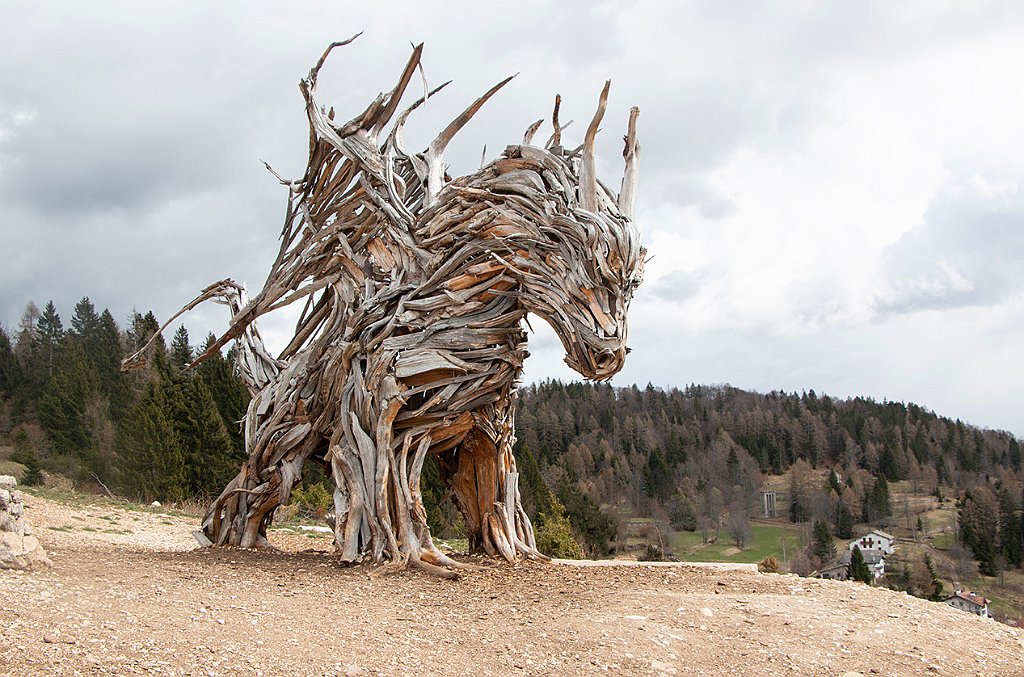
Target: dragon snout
(609, 362)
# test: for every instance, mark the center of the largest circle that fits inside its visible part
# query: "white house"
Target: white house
(968, 601)
(875, 559)
(876, 540)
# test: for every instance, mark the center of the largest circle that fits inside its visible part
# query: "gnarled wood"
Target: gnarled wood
(410, 341)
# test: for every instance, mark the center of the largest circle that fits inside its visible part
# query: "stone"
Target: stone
(663, 668)
(22, 552)
(11, 520)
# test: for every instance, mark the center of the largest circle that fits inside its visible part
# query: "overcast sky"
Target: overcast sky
(831, 191)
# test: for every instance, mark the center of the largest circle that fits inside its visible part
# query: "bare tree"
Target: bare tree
(739, 528)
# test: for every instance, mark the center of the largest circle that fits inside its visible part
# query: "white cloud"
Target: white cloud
(830, 193)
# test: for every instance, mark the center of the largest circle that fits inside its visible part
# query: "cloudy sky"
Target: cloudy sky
(832, 192)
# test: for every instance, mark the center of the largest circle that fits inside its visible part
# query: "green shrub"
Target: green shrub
(554, 534)
(312, 501)
(653, 553)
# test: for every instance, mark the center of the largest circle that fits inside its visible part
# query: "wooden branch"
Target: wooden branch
(631, 153)
(435, 152)
(315, 71)
(530, 131)
(556, 139)
(396, 94)
(588, 173)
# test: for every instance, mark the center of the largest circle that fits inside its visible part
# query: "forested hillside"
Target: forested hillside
(157, 433)
(591, 456)
(699, 458)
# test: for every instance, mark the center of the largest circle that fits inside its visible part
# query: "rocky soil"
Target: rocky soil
(129, 592)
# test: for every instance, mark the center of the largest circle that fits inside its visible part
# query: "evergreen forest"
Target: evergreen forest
(591, 457)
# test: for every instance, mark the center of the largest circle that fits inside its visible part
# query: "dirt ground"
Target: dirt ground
(130, 593)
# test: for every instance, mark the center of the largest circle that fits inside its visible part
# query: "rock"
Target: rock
(155, 504)
(18, 548)
(22, 552)
(663, 668)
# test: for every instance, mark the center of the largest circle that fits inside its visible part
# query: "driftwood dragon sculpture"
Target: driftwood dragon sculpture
(416, 287)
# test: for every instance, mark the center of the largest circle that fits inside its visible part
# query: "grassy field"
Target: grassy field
(768, 540)
(66, 493)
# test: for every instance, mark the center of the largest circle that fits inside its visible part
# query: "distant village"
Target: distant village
(873, 548)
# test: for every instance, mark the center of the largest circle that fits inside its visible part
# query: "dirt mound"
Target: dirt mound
(130, 593)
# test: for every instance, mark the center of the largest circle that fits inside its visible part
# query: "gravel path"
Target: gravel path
(130, 593)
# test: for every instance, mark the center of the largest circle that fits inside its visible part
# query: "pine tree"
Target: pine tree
(935, 594)
(99, 338)
(210, 456)
(878, 506)
(10, 369)
(857, 569)
(537, 496)
(85, 323)
(148, 447)
(143, 326)
(596, 529)
(822, 545)
(833, 483)
(682, 513)
(888, 466)
(657, 476)
(229, 394)
(844, 521)
(62, 407)
(797, 511)
(33, 474)
(732, 464)
(979, 526)
(50, 332)
(181, 352)
(1009, 529)
(106, 358)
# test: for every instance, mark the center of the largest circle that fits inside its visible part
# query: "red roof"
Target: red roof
(971, 597)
